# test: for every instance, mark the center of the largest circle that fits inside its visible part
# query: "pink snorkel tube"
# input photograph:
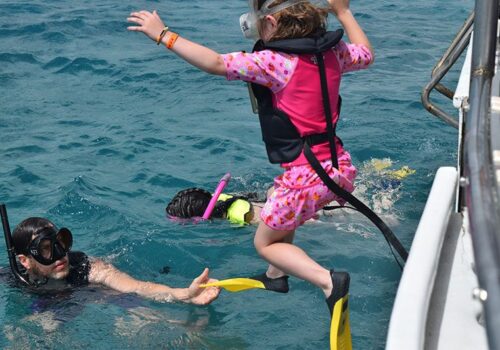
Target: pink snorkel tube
(222, 183)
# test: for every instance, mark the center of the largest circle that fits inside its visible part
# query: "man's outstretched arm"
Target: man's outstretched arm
(109, 276)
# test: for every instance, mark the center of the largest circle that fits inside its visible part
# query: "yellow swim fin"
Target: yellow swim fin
(401, 173)
(381, 164)
(236, 284)
(338, 303)
(340, 328)
(240, 284)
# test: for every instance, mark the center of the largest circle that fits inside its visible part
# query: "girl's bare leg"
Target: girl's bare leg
(276, 248)
(273, 271)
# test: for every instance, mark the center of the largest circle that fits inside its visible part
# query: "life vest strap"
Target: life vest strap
(317, 139)
(330, 128)
(389, 236)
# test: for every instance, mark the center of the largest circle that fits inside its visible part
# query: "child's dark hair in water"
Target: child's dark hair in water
(189, 203)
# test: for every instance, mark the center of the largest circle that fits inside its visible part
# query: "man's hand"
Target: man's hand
(202, 296)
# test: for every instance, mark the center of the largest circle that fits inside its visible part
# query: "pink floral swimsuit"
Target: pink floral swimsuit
(298, 193)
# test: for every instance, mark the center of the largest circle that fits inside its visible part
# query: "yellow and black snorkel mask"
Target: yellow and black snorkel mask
(262, 8)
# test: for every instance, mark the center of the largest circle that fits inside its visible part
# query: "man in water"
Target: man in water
(45, 253)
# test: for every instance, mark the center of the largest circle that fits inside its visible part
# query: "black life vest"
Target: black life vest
(282, 139)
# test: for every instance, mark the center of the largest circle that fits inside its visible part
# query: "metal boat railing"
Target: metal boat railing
(481, 191)
(457, 47)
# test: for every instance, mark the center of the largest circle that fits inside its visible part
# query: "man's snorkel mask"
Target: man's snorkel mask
(50, 245)
(250, 20)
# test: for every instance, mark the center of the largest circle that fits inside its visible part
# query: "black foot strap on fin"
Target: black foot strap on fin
(279, 284)
(341, 281)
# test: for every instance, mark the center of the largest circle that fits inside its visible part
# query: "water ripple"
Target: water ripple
(82, 64)
(18, 151)
(17, 8)
(168, 181)
(57, 63)
(25, 176)
(18, 57)
(70, 146)
(55, 37)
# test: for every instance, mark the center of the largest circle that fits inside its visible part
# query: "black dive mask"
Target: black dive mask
(50, 245)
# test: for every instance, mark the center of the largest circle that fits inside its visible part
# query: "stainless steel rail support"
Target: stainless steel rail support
(481, 192)
(458, 45)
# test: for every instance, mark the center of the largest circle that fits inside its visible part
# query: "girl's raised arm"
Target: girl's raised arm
(199, 56)
(352, 28)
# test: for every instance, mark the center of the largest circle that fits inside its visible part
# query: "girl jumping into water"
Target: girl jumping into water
(295, 71)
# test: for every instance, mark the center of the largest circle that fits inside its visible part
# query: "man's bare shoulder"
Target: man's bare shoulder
(100, 270)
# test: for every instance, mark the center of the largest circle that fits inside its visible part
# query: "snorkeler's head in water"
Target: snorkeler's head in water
(41, 248)
(189, 203)
(193, 202)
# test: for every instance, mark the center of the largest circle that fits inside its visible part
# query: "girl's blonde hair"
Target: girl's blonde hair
(298, 21)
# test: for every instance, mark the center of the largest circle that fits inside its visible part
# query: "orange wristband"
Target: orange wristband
(171, 40)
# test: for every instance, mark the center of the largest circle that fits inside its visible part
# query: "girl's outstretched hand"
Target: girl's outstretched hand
(339, 6)
(148, 23)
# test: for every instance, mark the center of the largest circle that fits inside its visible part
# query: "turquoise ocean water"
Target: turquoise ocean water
(99, 128)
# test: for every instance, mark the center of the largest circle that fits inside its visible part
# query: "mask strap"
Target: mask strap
(265, 10)
(253, 5)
